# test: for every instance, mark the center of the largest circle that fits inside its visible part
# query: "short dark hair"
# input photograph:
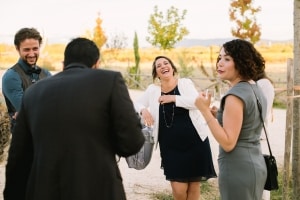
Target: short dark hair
(248, 61)
(27, 33)
(81, 50)
(154, 74)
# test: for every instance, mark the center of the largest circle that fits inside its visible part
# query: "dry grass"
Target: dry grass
(197, 60)
(53, 55)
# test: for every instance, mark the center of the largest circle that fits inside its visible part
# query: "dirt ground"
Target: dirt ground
(141, 184)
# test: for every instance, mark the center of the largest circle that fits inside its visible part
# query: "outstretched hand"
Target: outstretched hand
(203, 101)
(214, 111)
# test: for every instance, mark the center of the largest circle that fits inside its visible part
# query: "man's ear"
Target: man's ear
(97, 64)
(17, 48)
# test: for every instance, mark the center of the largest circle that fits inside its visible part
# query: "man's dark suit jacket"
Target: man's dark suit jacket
(70, 128)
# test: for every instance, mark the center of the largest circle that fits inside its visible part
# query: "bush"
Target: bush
(4, 131)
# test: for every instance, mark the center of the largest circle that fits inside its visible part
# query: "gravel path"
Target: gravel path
(141, 184)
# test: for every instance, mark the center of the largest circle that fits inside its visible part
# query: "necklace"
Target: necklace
(169, 125)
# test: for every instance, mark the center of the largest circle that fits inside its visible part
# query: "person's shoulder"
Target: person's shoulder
(242, 85)
(107, 72)
(46, 71)
(241, 89)
(185, 81)
(264, 82)
(152, 87)
(188, 80)
(10, 73)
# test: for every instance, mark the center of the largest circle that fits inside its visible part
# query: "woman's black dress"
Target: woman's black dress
(185, 157)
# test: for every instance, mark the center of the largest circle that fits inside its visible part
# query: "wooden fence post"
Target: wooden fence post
(288, 129)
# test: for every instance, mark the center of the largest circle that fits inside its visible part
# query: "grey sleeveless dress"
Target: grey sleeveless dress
(242, 171)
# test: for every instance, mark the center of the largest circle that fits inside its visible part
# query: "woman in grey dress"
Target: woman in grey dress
(242, 169)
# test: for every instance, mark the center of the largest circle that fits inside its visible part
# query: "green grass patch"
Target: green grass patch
(162, 196)
(279, 103)
(277, 194)
(209, 191)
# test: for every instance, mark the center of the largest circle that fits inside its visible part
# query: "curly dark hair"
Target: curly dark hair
(154, 74)
(248, 61)
(27, 33)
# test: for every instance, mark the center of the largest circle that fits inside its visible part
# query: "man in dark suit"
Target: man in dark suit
(69, 130)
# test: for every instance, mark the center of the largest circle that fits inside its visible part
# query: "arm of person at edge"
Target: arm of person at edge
(48, 73)
(143, 103)
(227, 135)
(12, 88)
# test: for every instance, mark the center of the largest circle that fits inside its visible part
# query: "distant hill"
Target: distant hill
(220, 41)
(8, 39)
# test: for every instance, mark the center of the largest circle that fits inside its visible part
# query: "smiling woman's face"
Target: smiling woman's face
(163, 68)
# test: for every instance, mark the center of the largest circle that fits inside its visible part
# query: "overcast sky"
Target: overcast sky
(61, 20)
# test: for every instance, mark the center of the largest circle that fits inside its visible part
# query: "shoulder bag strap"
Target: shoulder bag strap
(261, 118)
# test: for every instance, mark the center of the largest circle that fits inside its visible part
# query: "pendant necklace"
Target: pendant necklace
(169, 125)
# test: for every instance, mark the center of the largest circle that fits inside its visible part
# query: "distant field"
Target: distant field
(190, 61)
(52, 55)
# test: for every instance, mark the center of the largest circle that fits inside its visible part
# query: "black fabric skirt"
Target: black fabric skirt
(185, 157)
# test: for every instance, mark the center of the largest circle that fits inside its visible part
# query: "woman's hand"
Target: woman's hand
(166, 99)
(214, 111)
(147, 117)
(203, 102)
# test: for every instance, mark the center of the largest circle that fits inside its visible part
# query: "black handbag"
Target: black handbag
(272, 172)
(271, 182)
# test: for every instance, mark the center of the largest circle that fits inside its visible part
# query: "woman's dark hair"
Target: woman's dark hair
(81, 50)
(248, 61)
(154, 74)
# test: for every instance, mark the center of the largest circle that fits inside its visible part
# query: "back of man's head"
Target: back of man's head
(81, 50)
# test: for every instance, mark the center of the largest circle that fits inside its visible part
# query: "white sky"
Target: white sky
(65, 19)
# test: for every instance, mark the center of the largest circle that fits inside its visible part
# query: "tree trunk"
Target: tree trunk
(288, 130)
(296, 104)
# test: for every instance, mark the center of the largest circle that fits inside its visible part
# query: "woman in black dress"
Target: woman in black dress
(178, 128)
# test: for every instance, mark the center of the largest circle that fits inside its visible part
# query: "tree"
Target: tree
(166, 30)
(99, 37)
(296, 104)
(137, 57)
(134, 71)
(243, 13)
